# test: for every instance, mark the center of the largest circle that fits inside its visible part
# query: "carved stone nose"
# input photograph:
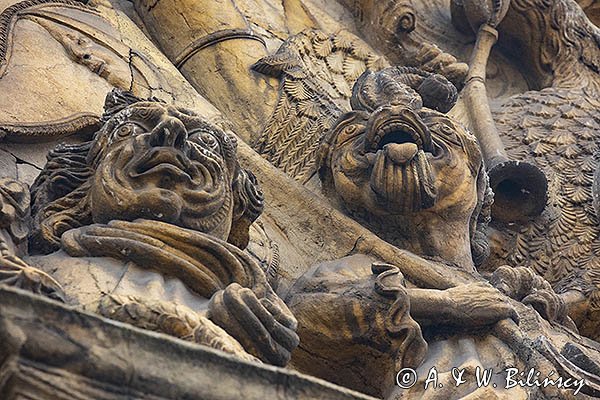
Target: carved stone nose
(169, 133)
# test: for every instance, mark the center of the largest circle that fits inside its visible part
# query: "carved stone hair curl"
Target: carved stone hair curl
(60, 199)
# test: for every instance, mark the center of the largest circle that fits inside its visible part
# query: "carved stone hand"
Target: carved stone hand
(524, 285)
(265, 327)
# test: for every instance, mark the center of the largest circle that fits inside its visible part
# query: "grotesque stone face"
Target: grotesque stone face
(150, 161)
(398, 161)
(156, 162)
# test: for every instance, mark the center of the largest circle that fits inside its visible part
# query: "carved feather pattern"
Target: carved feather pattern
(558, 130)
(317, 73)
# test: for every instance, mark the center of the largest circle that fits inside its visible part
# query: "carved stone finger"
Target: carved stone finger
(280, 312)
(255, 335)
(547, 303)
(282, 334)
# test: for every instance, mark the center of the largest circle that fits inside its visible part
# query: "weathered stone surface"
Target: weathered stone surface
(8, 164)
(321, 182)
(53, 49)
(48, 350)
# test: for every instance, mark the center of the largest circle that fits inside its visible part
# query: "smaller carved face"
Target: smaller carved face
(398, 161)
(98, 59)
(157, 162)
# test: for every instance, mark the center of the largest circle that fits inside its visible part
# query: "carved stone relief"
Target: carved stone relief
(227, 40)
(49, 51)
(153, 162)
(407, 172)
(554, 128)
(296, 190)
(71, 44)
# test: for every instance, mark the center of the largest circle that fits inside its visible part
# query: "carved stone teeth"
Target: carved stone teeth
(392, 127)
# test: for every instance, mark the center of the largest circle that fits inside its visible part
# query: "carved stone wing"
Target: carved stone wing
(317, 72)
(557, 130)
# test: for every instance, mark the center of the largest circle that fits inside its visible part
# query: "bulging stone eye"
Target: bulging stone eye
(446, 130)
(209, 140)
(448, 134)
(205, 141)
(347, 134)
(127, 129)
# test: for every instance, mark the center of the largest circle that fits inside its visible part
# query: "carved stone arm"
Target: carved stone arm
(472, 305)
(355, 324)
(172, 319)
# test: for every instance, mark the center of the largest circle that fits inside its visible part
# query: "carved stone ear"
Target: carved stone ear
(248, 205)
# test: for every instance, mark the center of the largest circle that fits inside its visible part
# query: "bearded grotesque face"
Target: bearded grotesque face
(399, 160)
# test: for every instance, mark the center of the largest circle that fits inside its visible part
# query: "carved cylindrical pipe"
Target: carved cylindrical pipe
(520, 188)
(473, 94)
(213, 46)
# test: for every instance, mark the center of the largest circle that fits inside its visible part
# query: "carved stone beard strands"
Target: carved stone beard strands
(164, 247)
(403, 188)
(426, 180)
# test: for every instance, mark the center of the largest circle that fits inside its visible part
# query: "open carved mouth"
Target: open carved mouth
(397, 123)
(398, 132)
(400, 135)
(396, 147)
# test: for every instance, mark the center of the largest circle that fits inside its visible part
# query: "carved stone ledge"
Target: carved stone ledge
(50, 351)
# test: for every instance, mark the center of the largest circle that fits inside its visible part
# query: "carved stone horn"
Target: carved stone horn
(520, 188)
